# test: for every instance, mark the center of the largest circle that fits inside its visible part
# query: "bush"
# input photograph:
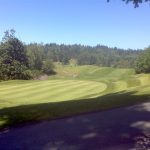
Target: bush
(48, 67)
(143, 62)
(27, 74)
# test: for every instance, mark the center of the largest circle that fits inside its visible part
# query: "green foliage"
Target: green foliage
(84, 55)
(16, 58)
(135, 2)
(38, 61)
(35, 73)
(48, 67)
(18, 61)
(143, 62)
(13, 59)
(35, 56)
(27, 74)
(8, 34)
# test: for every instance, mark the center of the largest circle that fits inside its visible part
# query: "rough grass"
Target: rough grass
(73, 90)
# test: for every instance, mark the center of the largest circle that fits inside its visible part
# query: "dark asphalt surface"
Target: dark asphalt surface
(116, 129)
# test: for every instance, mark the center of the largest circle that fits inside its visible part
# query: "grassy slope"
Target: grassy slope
(73, 90)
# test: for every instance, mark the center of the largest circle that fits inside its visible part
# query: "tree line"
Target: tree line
(84, 55)
(26, 61)
(16, 62)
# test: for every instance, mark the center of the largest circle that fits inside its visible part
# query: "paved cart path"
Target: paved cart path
(117, 129)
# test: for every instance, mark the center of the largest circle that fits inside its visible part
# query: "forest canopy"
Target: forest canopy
(13, 59)
(26, 61)
(17, 63)
(143, 62)
(84, 55)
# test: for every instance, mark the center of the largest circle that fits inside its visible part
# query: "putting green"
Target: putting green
(14, 93)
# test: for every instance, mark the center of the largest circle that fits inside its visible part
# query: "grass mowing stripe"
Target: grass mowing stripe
(29, 97)
(33, 90)
(89, 88)
(15, 86)
(20, 89)
(24, 98)
(115, 86)
(94, 90)
(27, 92)
(62, 94)
(29, 88)
(57, 93)
(95, 94)
(52, 88)
(145, 79)
(120, 86)
(133, 83)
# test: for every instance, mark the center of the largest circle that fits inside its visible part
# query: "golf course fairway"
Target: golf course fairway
(73, 90)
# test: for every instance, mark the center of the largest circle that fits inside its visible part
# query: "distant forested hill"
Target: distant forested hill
(84, 55)
(21, 61)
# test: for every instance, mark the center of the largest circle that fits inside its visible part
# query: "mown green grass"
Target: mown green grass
(15, 94)
(73, 90)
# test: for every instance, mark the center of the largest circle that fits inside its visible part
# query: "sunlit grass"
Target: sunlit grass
(46, 91)
(73, 90)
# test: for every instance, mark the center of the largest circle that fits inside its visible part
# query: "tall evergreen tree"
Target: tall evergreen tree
(13, 59)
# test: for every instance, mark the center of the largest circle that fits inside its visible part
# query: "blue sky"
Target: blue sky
(88, 22)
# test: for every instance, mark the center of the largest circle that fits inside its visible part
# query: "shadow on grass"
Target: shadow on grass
(37, 112)
(117, 129)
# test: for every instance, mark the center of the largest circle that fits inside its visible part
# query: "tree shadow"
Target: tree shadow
(113, 129)
(53, 110)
